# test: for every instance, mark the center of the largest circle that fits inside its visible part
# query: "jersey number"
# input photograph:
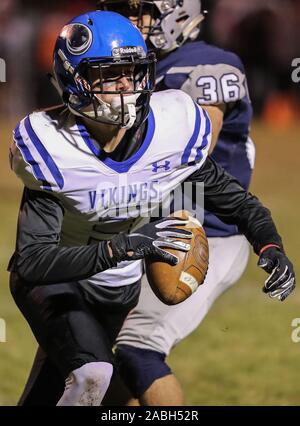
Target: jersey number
(228, 90)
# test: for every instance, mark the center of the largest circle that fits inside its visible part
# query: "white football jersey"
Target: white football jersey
(54, 152)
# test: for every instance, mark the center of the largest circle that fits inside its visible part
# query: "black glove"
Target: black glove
(150, 239)
(281, 281)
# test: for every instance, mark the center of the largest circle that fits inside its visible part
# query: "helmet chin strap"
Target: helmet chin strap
(129, 105)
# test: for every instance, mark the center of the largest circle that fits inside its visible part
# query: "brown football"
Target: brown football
(174, 284)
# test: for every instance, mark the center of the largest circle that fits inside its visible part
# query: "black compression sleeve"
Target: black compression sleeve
(225, 198)
(39, 258)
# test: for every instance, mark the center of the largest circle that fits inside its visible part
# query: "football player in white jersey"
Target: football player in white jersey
(92, 172)
(216, 79)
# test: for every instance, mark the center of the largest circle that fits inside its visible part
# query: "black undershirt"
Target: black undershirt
(129, 144)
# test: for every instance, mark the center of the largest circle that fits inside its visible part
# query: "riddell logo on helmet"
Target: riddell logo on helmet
(128, 50)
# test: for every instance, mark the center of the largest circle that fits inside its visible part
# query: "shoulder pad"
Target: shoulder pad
(30, 158)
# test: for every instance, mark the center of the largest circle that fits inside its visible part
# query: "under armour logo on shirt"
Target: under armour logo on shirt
(156, 166)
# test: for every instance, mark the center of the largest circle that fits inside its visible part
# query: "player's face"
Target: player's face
(114, 79)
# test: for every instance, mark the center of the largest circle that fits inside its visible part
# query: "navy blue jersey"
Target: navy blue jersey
(214, 76)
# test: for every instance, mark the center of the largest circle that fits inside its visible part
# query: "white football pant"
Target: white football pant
(159, 327)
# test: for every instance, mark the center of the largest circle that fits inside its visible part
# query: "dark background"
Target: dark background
(266, 35)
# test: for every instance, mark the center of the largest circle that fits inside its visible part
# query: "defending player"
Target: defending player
(214, 78)
(82, 168)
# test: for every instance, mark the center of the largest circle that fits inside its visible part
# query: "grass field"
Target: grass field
(243, 353)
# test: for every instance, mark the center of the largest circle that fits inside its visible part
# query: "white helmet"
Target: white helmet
(173, 21)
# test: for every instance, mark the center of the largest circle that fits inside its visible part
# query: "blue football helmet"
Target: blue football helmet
(173, 21)
(92, 52)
